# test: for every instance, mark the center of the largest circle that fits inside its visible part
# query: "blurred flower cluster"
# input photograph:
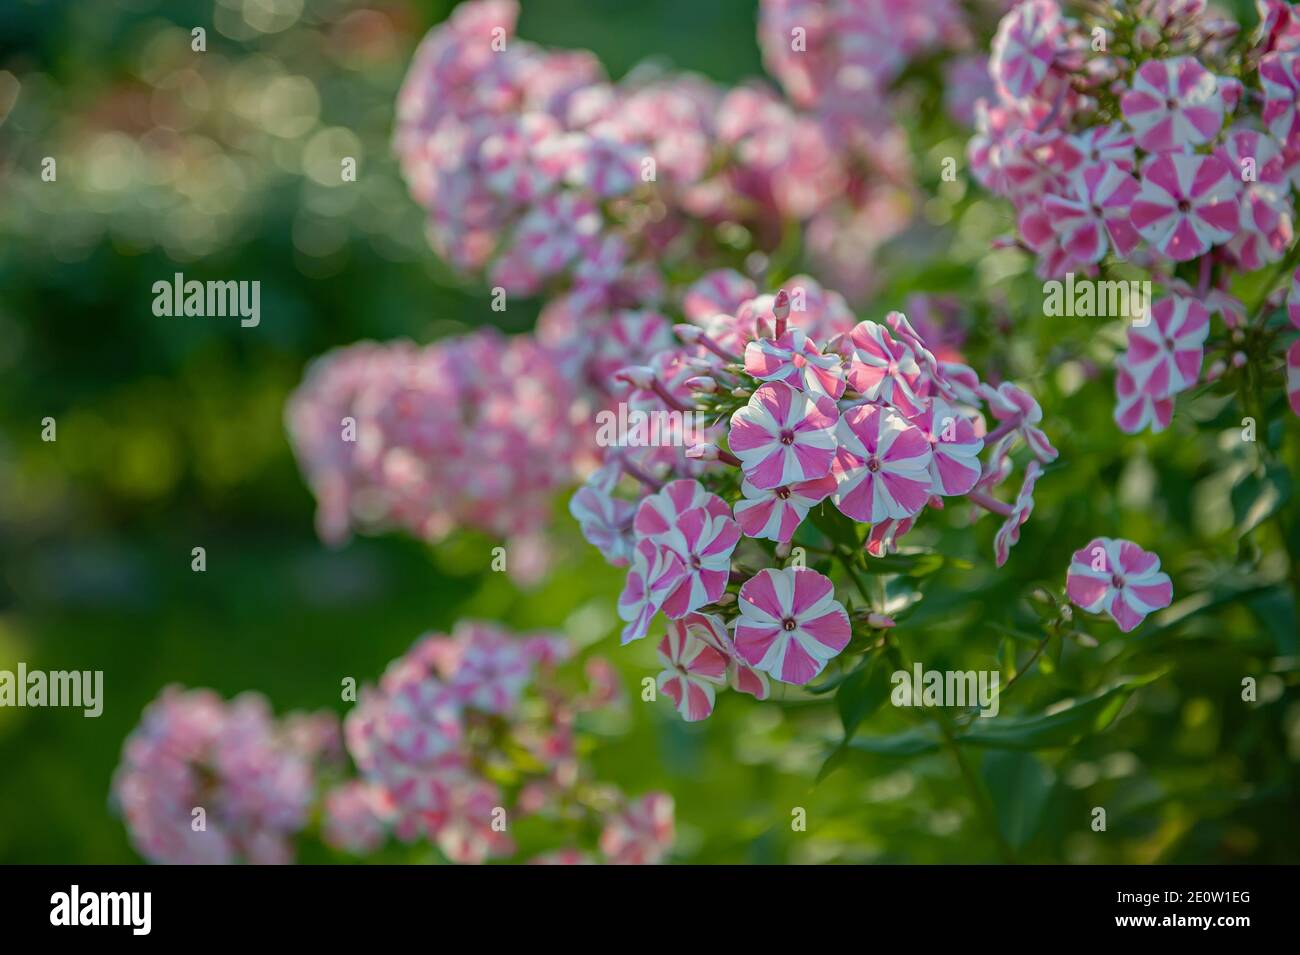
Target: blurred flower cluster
(475, 432)
(1155, 134)
(464, 736)
(206, 781)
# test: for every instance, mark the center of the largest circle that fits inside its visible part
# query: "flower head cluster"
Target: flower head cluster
(816, 411)
(1152, 134)
(467, 432)
(206, 781)
(466, 732)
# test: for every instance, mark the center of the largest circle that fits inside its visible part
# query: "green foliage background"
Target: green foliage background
(170, 436)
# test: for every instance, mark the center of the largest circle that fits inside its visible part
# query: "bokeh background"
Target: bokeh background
(170, 436)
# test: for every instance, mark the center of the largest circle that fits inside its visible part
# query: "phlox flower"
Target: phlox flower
(790, 624)
(1119, 578)
(775, 513)
(693, 668)
(605, 522)
(494, 670)
(1265, 229)
(1136, 408)
(740, 675)
(883, 537)
(783, 436)
(1174, 104)
(796, 360)
(883, 368)
(1011, 404)
(1097, 215)
(513, 157)
(468, 836)
(1187, 204)
(1279, 78)
(1008, 534)
(555, 231)
(641, 833)
(354, 817)
(703, 542)
(882, 464)
(955, 464)
(1112, 144)
(1165, 354)
(720, 291)
(1025, 47)
(658, 513)
(1293, 376)
(654, 573)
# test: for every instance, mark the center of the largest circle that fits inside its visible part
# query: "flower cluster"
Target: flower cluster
(205, 781)
(1152, 133)
(820, 412)
(465, 733)
(467, 432)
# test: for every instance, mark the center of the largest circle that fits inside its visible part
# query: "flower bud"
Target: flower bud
(690, 334)
(702, 452)
(702, 383)
(879, 621)
(638, 376)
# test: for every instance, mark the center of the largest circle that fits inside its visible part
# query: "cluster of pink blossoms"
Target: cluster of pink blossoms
(467, 732)
(205, 781)
(467, 432)
(1152, 133)
(819, 411)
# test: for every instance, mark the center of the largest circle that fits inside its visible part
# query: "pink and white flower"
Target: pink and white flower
(1008, 534)
(1119, 578)
(1279, 77)
(796, 360)
(703, 542)
(1265, 231)
(1136, 408)
(1187, 204)
(790, 624)
(693, 668)
(955, 465)
(641, 833)
(883, 368)
(655, 573)
(605, 521)
(1174, 104)
(1097, 216)
(882, 464)
(720, 291)
(783, 436)
(1025, 47)
(494, 670)
(1165, 354)
(775, 513)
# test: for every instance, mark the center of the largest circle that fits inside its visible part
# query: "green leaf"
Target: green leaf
(912, 564)
(913, 742)
(861, 694)
(1060, 727)
(1257, 496)
(1020, 786)
(840, 529)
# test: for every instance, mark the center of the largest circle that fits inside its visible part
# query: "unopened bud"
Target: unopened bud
(1216, 370)
(638, 376)
(690, 334)
(879, 621)
(781, 305)
(783, 550)
(1239, 359)
(740, 392)
(702, 452)
(726, 599)
(702, 383)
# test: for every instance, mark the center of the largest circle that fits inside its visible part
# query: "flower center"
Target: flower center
(787, 436)
(873, 464)
(783, 492)
(695, 561)
(1184, 206)
(788, 623)
(1117, 581)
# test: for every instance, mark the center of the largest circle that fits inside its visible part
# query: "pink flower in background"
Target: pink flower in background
(1165, 354)
(1187, 204)
(1293, 376)
(605, 521)
(494, 669)
(882, 464)
(775, 513)
(1097, 216)
(354, 817)
(884, 369)
(1008, 534)
(718, 292)
(1174, 104)
(1112, 144)
(193, 749)
(1119, 578)
(693, 668)
(797, 361)
(641, 833)
(783, 436)
(1265, 230)
(1027, 43)
(790, 624)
